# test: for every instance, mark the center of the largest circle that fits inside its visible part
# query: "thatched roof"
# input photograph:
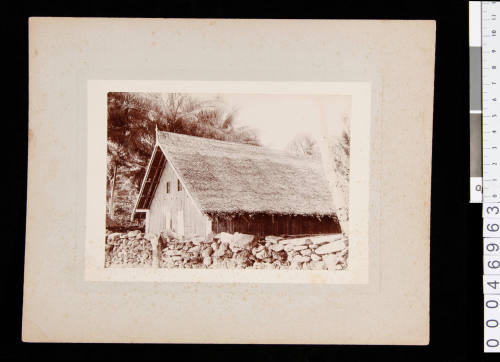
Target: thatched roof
(227, 177)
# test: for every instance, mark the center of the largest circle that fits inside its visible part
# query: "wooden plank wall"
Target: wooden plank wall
(195, 223)
(263, 225)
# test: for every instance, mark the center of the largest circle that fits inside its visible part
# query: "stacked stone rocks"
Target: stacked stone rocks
(127, 249)
(229, 251)
(323, 252)
(213, 252)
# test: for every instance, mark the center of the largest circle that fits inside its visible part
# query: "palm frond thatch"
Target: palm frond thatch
(227, 177)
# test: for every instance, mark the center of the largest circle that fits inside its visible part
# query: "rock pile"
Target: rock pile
(131, 249)
(230, 251)
(224, 250)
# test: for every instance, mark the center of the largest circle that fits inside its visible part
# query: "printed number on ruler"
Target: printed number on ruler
(491, 246)
(490, 51)
(491, 210)
(492, 323)
(491, 227)
(491, 284)
(491, 264)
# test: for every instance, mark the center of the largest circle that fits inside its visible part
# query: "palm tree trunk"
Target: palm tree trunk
(111, 196)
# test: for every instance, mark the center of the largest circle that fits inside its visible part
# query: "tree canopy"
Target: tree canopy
(132, 119)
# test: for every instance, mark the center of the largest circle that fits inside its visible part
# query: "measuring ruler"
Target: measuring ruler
(484, 32)
(490, 51)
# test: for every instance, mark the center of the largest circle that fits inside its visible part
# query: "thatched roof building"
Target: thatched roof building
(231, 183)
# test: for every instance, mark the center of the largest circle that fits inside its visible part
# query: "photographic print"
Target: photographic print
(267, 181)
(227, 181)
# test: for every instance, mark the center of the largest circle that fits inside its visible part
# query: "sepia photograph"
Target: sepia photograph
(227, 181)
(236, 180)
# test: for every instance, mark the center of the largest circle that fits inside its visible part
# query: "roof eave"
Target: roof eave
(143, 183)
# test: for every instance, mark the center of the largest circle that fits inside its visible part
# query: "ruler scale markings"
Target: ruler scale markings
(486, 24)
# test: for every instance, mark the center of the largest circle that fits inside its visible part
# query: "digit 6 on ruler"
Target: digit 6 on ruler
(491, 227)
(491, 264)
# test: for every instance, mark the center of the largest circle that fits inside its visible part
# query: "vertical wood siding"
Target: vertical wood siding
(176, 204)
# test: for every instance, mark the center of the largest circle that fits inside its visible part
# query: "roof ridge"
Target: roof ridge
(262, 148)
(214, 139)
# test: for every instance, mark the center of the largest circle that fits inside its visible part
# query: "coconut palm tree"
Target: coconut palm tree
(133, 117)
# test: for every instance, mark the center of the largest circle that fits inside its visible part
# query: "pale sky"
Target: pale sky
(278, 118)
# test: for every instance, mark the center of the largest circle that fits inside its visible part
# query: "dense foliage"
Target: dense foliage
(132, 119)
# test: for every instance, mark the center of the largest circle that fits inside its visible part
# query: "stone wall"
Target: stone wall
(127, 249)
(224, 250)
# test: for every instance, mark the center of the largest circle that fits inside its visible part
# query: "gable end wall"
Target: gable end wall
(175, 203)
